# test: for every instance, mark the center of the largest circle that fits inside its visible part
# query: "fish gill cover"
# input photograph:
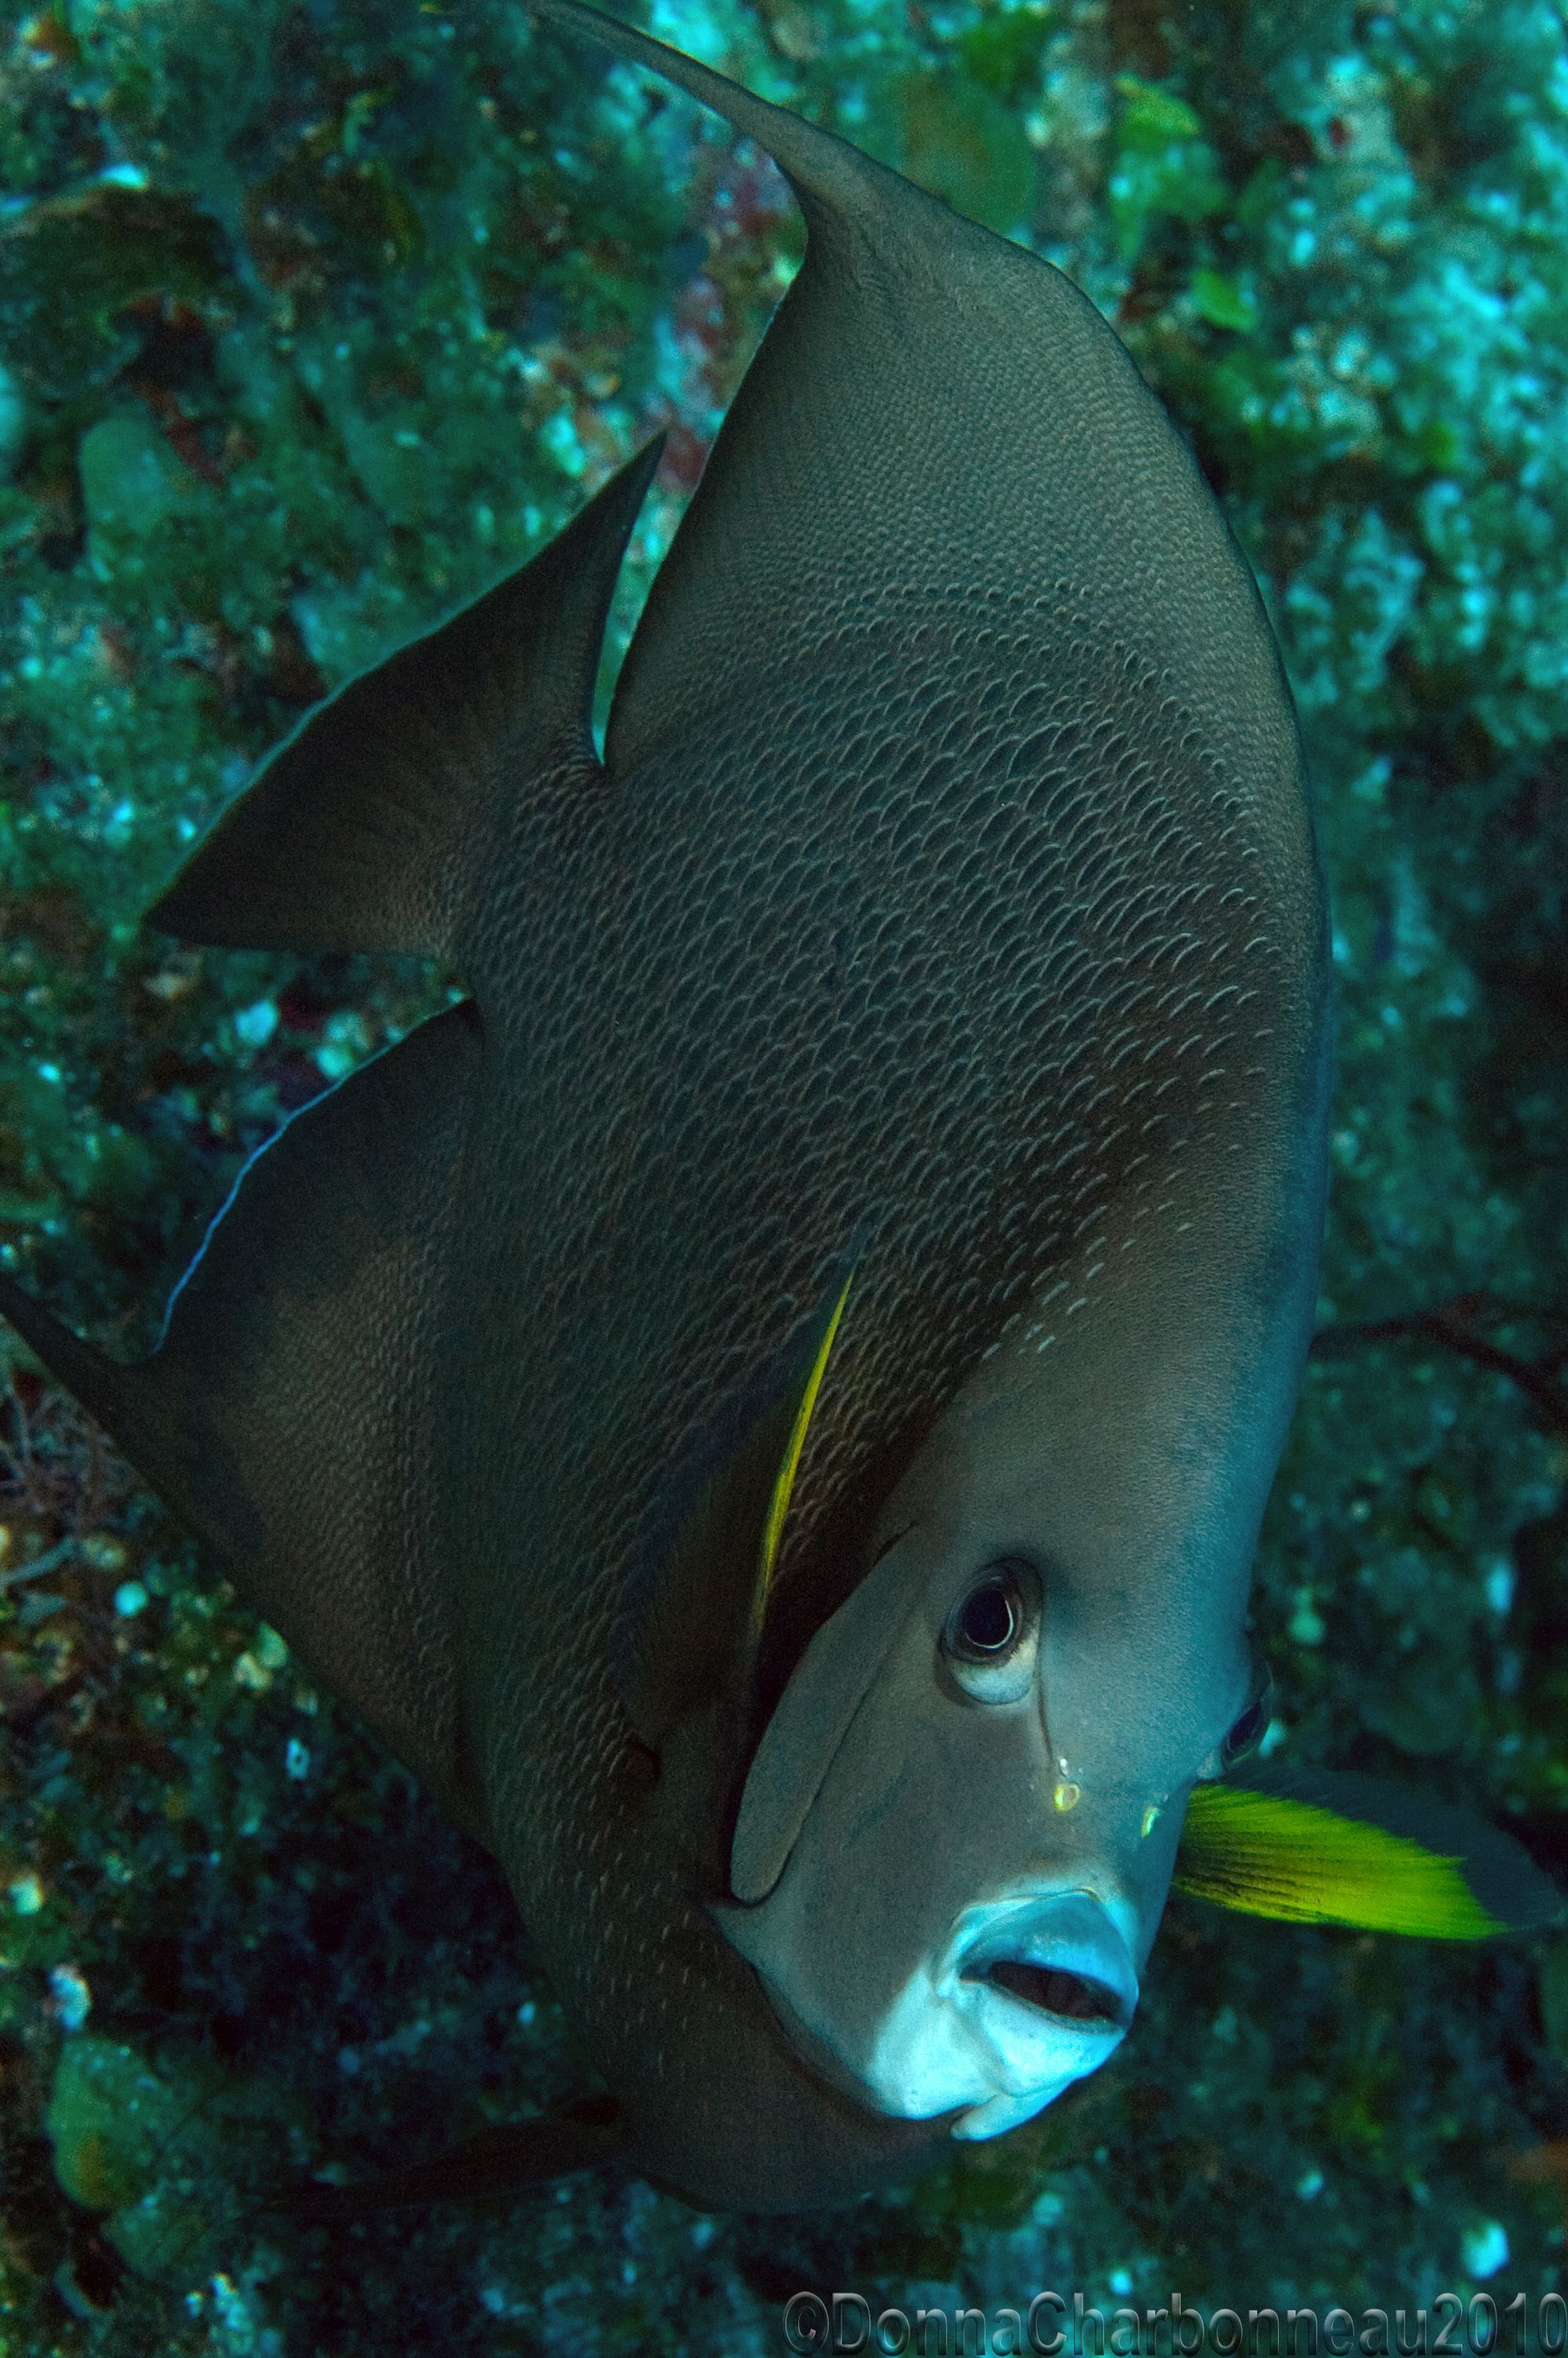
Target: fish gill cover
(312, 321)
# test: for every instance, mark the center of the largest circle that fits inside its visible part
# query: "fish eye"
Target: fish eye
(992, 1635)
(1246, 1731)
(1245, 1734)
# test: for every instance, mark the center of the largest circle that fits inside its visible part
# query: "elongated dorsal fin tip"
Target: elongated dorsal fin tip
(834, 181)
(935, 413)
(166, 1437)
(374, 824)
(104, 1387)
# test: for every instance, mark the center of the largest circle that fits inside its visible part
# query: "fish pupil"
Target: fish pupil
(989, 1621)
(1244, 1735)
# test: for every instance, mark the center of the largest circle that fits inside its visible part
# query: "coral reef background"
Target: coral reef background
(313, 319)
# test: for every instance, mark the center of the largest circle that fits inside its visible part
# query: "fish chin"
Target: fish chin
(1028, 1994)
(999, 2113)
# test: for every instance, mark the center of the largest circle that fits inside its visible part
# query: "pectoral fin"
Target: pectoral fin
(696, 1594)
(1321, 1846)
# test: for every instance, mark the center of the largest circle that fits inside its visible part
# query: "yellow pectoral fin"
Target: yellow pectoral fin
(1276, 1854)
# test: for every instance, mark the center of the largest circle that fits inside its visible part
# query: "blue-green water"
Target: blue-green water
(314, 320)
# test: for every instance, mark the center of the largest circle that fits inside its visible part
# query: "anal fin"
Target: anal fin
(290, 1413)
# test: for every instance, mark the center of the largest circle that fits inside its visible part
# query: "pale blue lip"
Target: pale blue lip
(1066, 1934)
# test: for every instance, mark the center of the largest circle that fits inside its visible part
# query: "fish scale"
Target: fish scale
(710, 1029)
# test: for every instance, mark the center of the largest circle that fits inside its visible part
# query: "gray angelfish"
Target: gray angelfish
(766, 1406)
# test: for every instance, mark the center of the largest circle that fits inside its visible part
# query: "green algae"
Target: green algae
(143, 2145)
(957, 138)
(1165, 168)
(109, 2118)
(132, 481)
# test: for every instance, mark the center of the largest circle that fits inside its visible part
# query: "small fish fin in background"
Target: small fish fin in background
(286, 1413)
(495, 2166)
(492, 2167)
(1330, 1846)
(368, 827)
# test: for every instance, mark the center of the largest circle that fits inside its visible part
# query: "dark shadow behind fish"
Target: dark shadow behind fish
(947, 893)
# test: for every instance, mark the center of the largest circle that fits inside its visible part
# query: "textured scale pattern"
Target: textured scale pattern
(968, 972)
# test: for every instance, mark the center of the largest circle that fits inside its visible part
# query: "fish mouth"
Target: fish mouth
(1058, 1991)
(1059, 1954)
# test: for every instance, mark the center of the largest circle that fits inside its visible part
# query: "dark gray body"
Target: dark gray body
(949, 885)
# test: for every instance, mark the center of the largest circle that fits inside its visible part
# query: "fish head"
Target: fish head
(957, 1834)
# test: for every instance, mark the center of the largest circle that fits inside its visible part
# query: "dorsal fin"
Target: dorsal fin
(288, 1415)
(694, 1595)
(935, 413)
(368, 824)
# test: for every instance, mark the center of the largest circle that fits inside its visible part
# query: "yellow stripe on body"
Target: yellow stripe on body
(778, 1504)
